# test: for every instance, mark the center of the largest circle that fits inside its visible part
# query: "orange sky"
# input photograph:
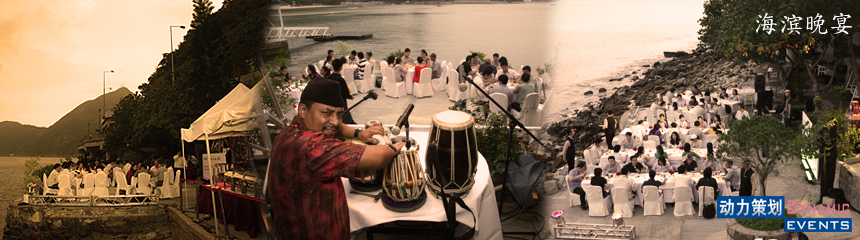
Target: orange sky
(53, 53)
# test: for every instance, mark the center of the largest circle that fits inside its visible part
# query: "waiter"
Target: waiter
(306, 192)
(609, 126)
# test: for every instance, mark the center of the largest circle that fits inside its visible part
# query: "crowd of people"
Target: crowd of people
(155, 168)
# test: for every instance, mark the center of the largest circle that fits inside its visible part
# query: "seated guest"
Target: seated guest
(599, 180)
(674, 106)
(656, 132)
(662, 166)
(681, 122)
(742, 113)
(53, 181)
(311, 73)
(735, 96)
(711, 160)
(406, 59)
(629, 142)
(158, 175)
(708, 181)
(483, 83)
(362, 64)
(645, 159)
(495, 61)
(681, 102)
(523, 90)
(616, 152)
(718, 122)
(652, 182)
(487, 66)
(683, 179)
(574, 182)
(464, 70)
(418, 68)
(670, 95)
(476, 60)
(634, 166)
(662, 121)
(675, 141)
(660, 153)
(656, 104)
(512, 75)
(724, 94)
(611, 167)
(695, 142)
(352, 59)
(696, 130)
(732, 175)
(503, 88)
(702, 123)
(435, 65)
(597, 150)
(399, 70)
(690, 162)
(698, 110)
(696, 91)
(624, 182)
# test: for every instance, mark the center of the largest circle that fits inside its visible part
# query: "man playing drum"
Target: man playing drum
(306, 193)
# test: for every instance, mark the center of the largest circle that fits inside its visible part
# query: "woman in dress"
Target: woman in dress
(675, 141)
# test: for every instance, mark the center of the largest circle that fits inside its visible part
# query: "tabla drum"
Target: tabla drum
(370, 180)
(403, 183)
(453, 134)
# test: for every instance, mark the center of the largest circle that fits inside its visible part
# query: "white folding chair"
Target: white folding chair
(530, 114)
(598, 206)
(650, 144)
(683, 201)
(174, 187)
(360, 84)
(101, 184)
(423, 88)
(132, 186)
(382, 66)
(165, 189)
(500, 98)
(45, 189)
(65, 185)
(622, 201)
(454, 93)
(89, 183)
(348, 75)
(143, 184)
(653, 201)
(672, 116)
(439, 83)
(121, 184)
(706, 196)
(392, 88)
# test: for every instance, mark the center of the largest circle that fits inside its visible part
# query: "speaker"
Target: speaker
(765, 100)
(759, 83)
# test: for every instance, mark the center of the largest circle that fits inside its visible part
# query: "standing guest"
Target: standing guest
(742, 113)
(505, 70)
(179, 163)
(708, 181)
(362, 64)
(732, 175)
(569, 149)
(748, 180)
(406, 59)
(398, 70)
(435, 65)
(634, 166)
(344, 89)
(624, 182)
(574, 182)
(611, 166)
(629, 142)
(599, 180)
(417, 76)
(656, 132)
(523, 90)
(465, 69)
(371, 63)
(502, 87)
(495, 61)
(609, 126)
(308, 162)
(675, 141)
(652, 182)
(662, 166)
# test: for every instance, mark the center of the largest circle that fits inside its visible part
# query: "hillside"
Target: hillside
(63, 137)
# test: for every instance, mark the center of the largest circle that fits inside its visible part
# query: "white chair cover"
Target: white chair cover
(597, 205)
(133, 185)
(672, 116)
(530, 113)
(424, 87)
(45, 189)
(622, 201)
(683, 201)
(653, 201)
(657, 115)
(65, 185)
(89, 184)
(369, 79)
(165, 188)
(174, 187)
(382, 66)
(439, 83)
(121, 184)
(392, 88)
(454, 93)
(706, 196)
(638, 131)
(502, 99)
(101, 184)
(142, 186)
(347, 73)
(650, 144)
(126, 168)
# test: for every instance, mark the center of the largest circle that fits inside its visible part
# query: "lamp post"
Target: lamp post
(104, 97)
(171, 52)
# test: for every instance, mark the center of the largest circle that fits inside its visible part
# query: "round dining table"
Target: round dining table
(667, 188)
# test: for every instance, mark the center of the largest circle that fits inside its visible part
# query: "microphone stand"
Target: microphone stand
(513, 124)
(362, 100)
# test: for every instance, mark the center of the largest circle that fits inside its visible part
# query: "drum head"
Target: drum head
(403, 207)
(453, 120)
(366, 187)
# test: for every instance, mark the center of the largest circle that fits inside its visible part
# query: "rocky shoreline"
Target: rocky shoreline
(685, 70)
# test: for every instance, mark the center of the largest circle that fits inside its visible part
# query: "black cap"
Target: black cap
(325, 91)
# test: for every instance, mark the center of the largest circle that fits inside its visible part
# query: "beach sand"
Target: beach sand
(11, 171)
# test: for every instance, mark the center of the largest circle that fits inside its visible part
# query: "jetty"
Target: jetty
(340, 36)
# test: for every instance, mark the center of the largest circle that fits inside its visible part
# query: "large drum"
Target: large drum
(370, 180)
(453, 134)
(403, 183)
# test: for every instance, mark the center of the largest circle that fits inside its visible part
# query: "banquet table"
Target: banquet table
(667, 188)
(363, 212)
(675, 159)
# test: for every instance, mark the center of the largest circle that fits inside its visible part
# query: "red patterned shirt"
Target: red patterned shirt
(305, 189)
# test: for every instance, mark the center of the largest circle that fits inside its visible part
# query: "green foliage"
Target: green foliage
(343, 48)
(133, 157)
(843, 95)
(481, 55)
(848, 137)
(492, 134)
(766, 144)
(397, 53)
(764, 224)
(33, 171)
(202, 10)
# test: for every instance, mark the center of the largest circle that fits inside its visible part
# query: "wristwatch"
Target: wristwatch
(356, 133)
(392, 148)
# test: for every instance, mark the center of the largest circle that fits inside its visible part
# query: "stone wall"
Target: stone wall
(184, 228)
(87, 222)
(849, 182)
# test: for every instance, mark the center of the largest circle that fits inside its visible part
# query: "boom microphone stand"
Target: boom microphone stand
(513, 124)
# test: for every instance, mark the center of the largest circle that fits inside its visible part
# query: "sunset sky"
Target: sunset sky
(53, 53)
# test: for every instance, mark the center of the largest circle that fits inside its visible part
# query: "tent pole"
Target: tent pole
(211, 178)
(182, 183)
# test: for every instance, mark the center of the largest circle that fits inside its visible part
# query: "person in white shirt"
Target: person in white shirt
(670, 94)
(735, 96)
(675, 141)
(179, 163)
(481, 82)
(512, 75)
(639, 130)
(406, 59)
(682, 179)
(53, 181)
(695, 142)
(371, 63)
(623, 182)
(699, 111)
(682, 123)
(597, 151)
(495, 61)
(742, 113)
(681, 102)
(732, 175)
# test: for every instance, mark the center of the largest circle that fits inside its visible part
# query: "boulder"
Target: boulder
(588, 93)
(601, 90)
(635, 78)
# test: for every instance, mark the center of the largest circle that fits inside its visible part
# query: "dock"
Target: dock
(341, 36)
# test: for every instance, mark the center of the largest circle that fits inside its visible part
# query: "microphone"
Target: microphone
(405, 116)
(463, 87)
(371, 94)
(395, 131)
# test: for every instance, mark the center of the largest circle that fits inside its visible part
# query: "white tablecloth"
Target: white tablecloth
(363, 212)
(409, 80)
(675, 159)
(667, 188)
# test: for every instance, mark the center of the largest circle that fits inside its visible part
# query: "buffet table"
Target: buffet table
(363, 212)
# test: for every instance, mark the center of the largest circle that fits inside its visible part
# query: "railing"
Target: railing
(119, 200)
(276, 33)
(594, 231)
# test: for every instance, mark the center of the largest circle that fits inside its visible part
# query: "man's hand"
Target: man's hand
(399, 146)
(366, 135)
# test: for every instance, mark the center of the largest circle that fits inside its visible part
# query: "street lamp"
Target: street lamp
(104, 97)
(171, 52)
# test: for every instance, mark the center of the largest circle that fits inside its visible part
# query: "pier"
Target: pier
(341, 36)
